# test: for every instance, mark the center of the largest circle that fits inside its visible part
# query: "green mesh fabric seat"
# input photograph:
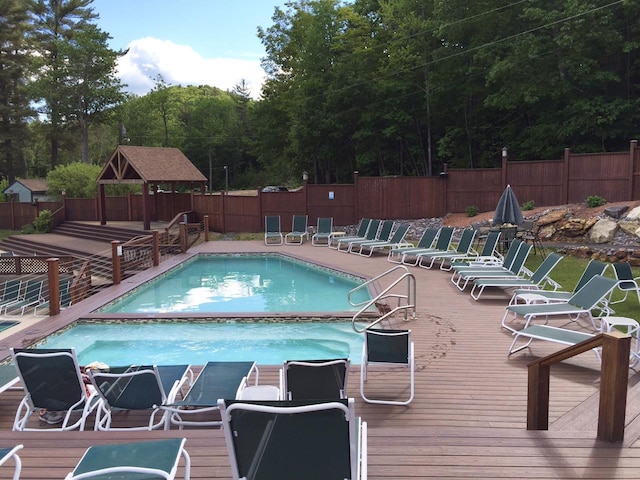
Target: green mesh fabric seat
(361, 232)
(7, 454)
(366, 249)
(289, 440)
(272, 232)
(429, 236)
(299, 230)
(157, 459)
(314, 379)
(445, 236)
(463, 249)
(322, 237)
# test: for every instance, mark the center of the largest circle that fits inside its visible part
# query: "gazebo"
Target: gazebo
(147, 166)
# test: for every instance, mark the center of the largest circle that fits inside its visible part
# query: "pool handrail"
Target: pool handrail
(409, 297)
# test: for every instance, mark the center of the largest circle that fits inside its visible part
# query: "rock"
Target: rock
(634, 214)
(553, 217)
(603, 231)
(629, 227)
(615, 212)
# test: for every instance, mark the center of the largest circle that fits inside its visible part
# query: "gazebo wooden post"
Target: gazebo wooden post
(206, 228)
(102, 206)
(53, 276)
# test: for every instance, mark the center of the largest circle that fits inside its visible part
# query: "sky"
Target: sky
(188, 42)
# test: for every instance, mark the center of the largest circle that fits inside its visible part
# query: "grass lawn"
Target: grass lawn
(568, 272)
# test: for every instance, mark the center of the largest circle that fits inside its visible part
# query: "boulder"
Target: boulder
(634, 214)
(553, 217)
(603, 231)
(629, 227)
(616, 212)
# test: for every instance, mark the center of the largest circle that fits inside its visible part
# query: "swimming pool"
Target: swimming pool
(196, 343)
(243, 283)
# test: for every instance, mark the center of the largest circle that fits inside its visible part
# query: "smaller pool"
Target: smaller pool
(196, 343)
(212, 284)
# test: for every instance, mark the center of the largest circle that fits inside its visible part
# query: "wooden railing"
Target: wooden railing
(614, 378)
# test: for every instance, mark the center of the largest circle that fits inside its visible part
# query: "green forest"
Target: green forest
(382, 87)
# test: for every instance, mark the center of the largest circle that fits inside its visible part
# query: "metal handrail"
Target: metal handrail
(371, 280)
(409, 297)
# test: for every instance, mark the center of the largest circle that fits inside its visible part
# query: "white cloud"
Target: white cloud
(181, 65)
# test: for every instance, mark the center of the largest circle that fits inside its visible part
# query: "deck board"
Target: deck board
(468, 419)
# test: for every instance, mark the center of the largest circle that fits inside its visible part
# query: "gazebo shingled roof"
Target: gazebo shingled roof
(147, 165)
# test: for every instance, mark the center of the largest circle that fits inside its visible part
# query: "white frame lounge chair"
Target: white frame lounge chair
(396, 241)
(426, 241)
(324, 231)
(443, 242)
(626, 281)
(299, 230)
(361, 232)
(7, 454)
(463, 249)
(314, 379)
(312, 440)
(272, 231)
(583, 303)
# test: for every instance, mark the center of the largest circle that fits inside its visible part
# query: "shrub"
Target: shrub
(471, 211)
(595, 201)
(42, 224)
(528, 205)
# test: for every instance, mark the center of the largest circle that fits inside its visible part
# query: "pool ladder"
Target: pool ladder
(406, 302)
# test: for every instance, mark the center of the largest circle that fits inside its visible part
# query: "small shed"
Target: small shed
(28, 190)
(147, 166)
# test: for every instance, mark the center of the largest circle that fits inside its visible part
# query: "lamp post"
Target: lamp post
(226, 179)
(305, 176)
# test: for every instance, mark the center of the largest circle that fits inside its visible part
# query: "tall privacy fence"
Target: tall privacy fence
(571, 179)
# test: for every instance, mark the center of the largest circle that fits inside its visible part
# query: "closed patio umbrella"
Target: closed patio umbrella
(508, 209)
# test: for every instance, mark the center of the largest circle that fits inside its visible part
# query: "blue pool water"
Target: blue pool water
(196, 343)
(243, 283)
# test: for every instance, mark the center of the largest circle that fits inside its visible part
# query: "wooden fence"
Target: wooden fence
(613, 176)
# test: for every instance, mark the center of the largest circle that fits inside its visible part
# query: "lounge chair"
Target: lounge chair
(314, 379)
(387, 348)
(626, 281)
(370, 235)
(308, 440)
(136, 388)
(383, 235)
(514, 271)
(594, 267)
(492, 262)
(488, 255)
(11, 292)
(322, 237)
(31, 297)
(396, 241)
(272, 232)
(463, 249)
(216, 380)
(361, 232)
(299, 230)
(52, 380)
(538, 280)
(583, 303)
(8, 378)
(445, 235)
(65, 299)
(152, 459)
(7, 454)
(426, 241)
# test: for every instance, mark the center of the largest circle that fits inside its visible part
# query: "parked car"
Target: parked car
(273, 188)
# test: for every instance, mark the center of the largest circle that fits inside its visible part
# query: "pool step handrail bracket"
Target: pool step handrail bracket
(406, 302)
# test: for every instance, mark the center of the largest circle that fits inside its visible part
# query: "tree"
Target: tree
(15, 66)
(78, 180)
(55, 23)
(89, 80)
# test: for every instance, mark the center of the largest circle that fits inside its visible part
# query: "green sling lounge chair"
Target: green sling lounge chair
(322, 237)
(310, 440)
(445, 236)
(361, 232)
(626, 281)
(299, 230)
(65, 299)
(31, 297)
(594, 267)
(387, 348)
(538, 280)
(396, 241)
(153, 459)
(583, 303)
(488, 255)
(344, 244)
(272, 232)
(314, 379)
(216, 380)
(7, 454)
(463, 249)
(138, 388)
(8, 378)
(426, 241)
(52, 380)
(11, 292)
(383, 235)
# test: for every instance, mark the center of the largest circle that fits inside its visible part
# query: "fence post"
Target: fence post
(223, 196)
(565, 171)
(183, 237)
(64, 205)
(356, 213)
(505, 159)
(206, 228)
(115, 260)
(156, 248)
(614, 379)
(53, 274)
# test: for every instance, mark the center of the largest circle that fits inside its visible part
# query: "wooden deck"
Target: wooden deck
(467, 420)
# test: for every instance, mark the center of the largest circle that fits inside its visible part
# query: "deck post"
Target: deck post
(538, 397)
(115, 260)
(614, 379)
(156, 248)
(206, 228)
(53, 274)
(183, 237)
